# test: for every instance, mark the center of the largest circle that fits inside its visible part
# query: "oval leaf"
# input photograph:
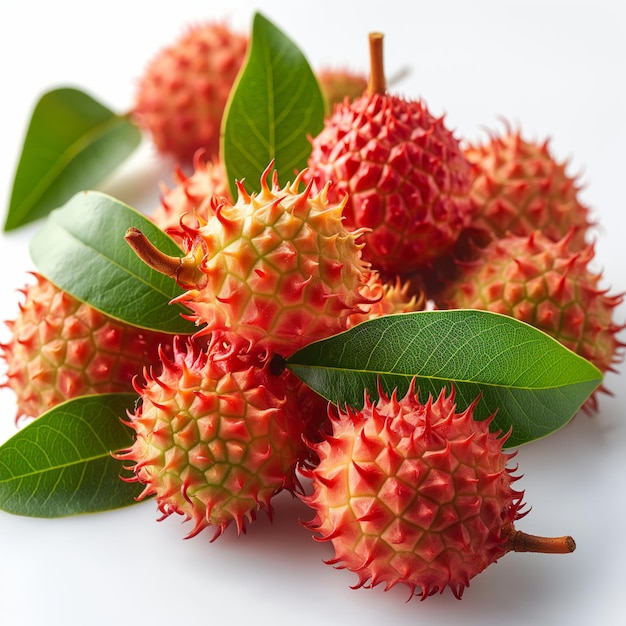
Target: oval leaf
(275, 104)
(81, 248)
(533, 383)
(73, 142)
(61, 463)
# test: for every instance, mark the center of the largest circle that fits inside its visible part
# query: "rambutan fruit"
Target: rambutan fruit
(417, 494)
(402, 170)
(217, 433)
(181, 96)
(190, 196)
(520, 187)
(278, 267)
(387, 298)
(60, 348)
(545, 284)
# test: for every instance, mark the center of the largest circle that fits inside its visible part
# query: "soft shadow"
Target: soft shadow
(138, 181)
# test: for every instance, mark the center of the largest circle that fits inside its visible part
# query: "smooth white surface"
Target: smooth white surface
(556, 68)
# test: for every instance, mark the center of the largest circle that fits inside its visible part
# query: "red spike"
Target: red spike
(264, 175)
(327, 482)
(370, 445)
(370, 476)
(243, 194)
(303, 199)
(228, 224)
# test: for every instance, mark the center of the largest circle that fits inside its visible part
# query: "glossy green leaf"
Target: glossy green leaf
(72, 143)
(81, 248)
(61, 463)
(533, 383)
(275, 104)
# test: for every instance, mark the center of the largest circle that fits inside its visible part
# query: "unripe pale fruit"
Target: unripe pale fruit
(61, 348)
(278, 267)
(217, 434)
(181, 96)
(417, 494)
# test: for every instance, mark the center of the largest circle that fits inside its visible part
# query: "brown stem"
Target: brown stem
(183, 269)
(377, 83)
(151, 255)
(518, 541)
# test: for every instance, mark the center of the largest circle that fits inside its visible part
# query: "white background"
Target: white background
(557, 69)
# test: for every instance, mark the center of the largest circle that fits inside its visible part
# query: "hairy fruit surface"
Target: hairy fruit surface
(387, 298)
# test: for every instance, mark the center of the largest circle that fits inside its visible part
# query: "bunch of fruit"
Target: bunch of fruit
(392, 215)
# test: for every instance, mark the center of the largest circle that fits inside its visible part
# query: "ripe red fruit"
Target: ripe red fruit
(520, 187)
(218, 434)
(417, 494)
(181, 96)
(61, 348)
(404, 174)
(548, 285)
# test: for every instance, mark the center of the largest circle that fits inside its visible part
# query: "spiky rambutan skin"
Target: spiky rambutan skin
(520, 187)
(181, 96)
(405, 174)
(547, 285)
(190, 197)
(386, 298)
(217, 434)
(414, 494)
(60, 348)
(340, 83)
(278, 267)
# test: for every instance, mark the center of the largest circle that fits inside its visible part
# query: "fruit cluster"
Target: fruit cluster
(393, 214)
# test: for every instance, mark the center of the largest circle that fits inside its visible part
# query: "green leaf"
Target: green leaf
(61, 464)
(534, 383)
(81, 248)
(275, 104)
(73, 142)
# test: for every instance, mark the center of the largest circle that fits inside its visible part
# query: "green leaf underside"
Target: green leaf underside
(81, 248)
(72, 143)
(275, 105)
(61, 464)
(533, 383)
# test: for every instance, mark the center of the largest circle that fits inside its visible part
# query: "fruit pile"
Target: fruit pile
(392, 215)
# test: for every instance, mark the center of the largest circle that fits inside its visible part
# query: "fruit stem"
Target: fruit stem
(519, 541)
(183, 269)
(377, 83)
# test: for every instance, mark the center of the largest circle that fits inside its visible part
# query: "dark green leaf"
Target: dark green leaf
(81, 248)
(533, 382)
(275, 104)
(61, 463)
(73, 142)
